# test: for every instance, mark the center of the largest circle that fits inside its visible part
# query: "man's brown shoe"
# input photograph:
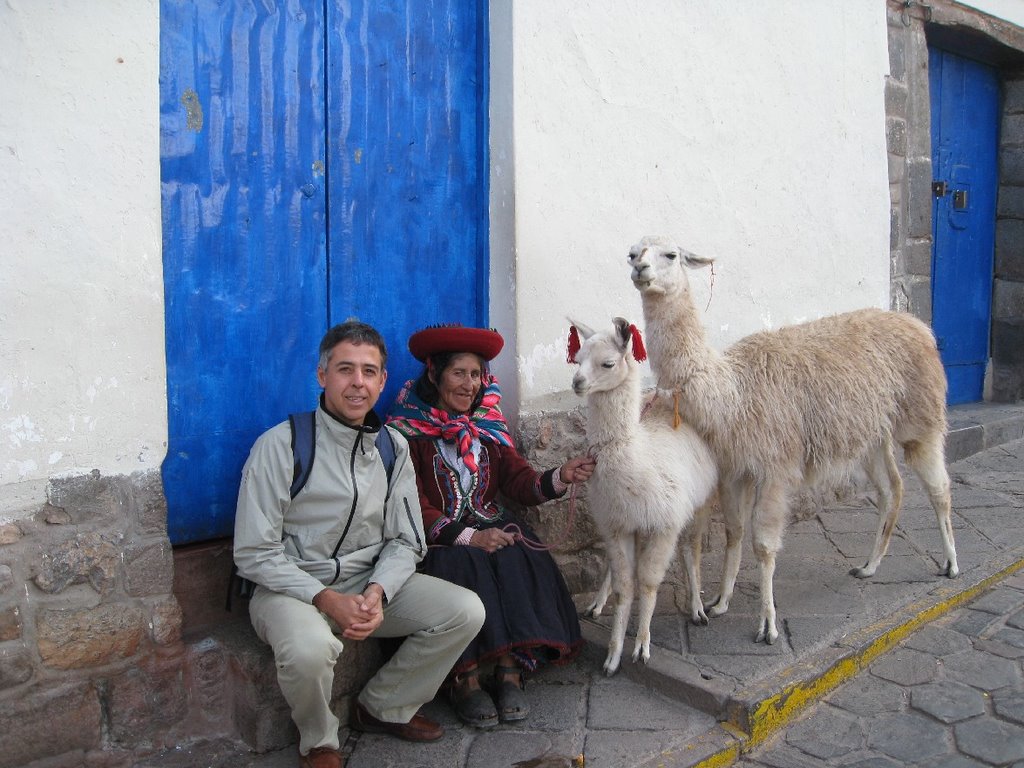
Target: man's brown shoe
(419, 728)
(322, 757)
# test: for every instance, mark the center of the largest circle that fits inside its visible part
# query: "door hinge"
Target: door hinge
(939, 188)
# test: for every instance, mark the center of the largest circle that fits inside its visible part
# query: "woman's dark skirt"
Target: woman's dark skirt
(529, 611)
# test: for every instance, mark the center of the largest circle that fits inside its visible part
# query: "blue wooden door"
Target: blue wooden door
(965, 128)
(320, 160)
(407, 149)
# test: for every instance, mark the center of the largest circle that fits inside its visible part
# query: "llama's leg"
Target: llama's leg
(885, 476)
(693, 539)
(737, 498)
(621, 554)
(768, 523)
(595, 608)
(653, 555)
(928, 461)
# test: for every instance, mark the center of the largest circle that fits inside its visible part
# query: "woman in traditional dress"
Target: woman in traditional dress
(466, 470)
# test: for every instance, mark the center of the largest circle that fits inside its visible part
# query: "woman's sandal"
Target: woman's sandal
(512, 705)
(474, 706)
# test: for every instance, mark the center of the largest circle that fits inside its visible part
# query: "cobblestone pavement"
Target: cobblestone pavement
(949, 696)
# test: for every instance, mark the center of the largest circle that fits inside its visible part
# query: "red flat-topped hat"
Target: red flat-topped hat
(485, 342)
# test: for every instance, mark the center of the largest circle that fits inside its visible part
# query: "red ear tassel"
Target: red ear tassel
(639, 353)
(574, 345)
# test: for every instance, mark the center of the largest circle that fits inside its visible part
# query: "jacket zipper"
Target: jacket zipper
(412, 524)
(352, 511)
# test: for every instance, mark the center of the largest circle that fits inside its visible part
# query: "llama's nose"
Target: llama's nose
(579, 384)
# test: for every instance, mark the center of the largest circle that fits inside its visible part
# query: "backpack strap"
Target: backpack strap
(303, 448)
(386, 448)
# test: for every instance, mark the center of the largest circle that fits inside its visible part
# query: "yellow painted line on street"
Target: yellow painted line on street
(721, 759)
(771, 714)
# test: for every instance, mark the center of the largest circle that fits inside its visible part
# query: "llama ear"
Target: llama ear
(629, 333)
(621, 331)
(693, 261)
(573, 346)
(584, 330)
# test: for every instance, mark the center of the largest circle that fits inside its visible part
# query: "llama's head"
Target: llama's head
(657, 266)
(606, 359)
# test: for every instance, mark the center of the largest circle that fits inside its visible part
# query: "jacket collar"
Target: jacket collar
(346, 432)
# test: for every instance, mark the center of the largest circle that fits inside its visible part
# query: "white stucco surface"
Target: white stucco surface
(1008, 10)
(753, 133)
(82, 375)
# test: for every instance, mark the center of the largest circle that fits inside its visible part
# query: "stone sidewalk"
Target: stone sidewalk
(951, 694)
(710, 696)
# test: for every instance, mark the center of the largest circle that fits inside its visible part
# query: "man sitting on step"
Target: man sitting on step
(340, 557)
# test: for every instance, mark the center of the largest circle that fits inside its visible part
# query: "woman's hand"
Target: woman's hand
(492, 539)
(577, 470)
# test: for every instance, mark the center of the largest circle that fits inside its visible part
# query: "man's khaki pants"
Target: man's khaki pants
(438, 618)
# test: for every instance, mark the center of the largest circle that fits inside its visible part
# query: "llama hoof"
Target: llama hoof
(642, 654)
(700, 619)
(767, 634)
(862, 573)
(951, 570)
(611, 662)
(716, 607)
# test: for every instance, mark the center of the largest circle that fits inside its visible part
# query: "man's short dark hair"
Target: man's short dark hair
(354, 332)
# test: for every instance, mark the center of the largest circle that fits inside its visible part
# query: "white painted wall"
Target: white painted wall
(82, 374)
(753, 133)
(1008, 10)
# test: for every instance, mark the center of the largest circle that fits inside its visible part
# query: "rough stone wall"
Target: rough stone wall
(908, 139)
(91, 658)
(1008, 291)
(547, 439)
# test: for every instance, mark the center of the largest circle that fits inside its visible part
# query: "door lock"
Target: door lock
(959, 199)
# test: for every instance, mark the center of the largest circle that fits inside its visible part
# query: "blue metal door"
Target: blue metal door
(965, 129)
(320, 160)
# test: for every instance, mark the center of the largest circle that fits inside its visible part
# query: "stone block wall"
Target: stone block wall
(91, 657)
(1008, 289)
(547, 439)
(908, 142)
(908, 139)
(102, 664)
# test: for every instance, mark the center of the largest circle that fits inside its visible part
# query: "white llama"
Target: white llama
(785, 408)
(649, 482)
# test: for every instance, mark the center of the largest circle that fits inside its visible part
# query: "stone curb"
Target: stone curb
(770, 704)
(752, 715)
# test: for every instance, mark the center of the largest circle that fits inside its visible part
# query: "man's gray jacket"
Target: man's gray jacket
(342, 527)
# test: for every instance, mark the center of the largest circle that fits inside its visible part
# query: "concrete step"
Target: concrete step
(973, 427)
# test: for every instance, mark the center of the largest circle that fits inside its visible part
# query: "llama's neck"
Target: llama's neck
(683, 361)
(613, 415)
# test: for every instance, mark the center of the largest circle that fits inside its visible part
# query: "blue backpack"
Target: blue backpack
(303, 427)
